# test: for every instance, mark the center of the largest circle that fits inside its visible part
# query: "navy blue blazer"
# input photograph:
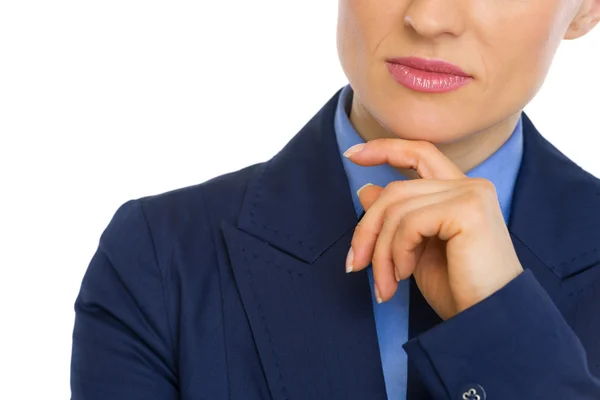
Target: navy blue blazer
(235, 289)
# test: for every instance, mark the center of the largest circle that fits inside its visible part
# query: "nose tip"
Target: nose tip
(430, 18)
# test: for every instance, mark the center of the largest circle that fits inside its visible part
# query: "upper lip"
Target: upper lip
(430, 65)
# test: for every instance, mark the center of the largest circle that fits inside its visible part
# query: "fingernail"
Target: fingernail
(362, 187)
(354, 149)
(397, 274)
(349, 260)
(377, 296)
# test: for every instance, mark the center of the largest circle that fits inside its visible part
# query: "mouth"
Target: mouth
(427, 75)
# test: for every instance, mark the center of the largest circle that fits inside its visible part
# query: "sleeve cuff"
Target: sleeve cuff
(511, 344)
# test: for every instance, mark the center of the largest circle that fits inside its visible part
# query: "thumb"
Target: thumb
(368, 194)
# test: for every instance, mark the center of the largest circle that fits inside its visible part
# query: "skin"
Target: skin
(422, 227)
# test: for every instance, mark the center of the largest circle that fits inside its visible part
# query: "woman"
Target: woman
(474, 270)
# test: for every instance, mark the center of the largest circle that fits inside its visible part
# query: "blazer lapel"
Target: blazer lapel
(555, 210)
(313, 324)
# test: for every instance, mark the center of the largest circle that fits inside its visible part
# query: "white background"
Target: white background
(105, 101)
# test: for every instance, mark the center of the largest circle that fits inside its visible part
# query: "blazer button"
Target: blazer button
(472, 391)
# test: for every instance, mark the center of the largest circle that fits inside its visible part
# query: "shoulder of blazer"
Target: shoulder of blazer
(191, 216)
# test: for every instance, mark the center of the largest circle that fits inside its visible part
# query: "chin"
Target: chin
(435, 127)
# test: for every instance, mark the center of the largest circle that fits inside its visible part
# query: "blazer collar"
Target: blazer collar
(300, 200)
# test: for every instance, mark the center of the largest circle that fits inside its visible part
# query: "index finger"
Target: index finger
(420, 155)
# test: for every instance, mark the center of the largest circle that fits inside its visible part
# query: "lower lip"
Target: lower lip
(425, 81)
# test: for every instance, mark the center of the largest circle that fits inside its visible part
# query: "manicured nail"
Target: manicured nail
(377, 296)
(354, 149)
(362, 187)
(397, 274)
(349, 260)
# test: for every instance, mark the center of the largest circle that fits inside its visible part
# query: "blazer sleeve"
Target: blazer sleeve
(122, 347)
(513, 345)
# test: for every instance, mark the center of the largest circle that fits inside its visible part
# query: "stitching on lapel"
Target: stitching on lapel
(265, 226)
(264, 322)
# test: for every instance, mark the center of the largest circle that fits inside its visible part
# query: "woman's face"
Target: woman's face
(505, 45)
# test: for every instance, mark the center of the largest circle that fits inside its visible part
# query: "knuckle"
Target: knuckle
(394, 189)
(392, 211)
(475, 199)
(485, 186)
(361, 232)
(379, 259)
(406, 221)
(475, 206)
(395, 186)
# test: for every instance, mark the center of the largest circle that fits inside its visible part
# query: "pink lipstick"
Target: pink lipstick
(432, 76)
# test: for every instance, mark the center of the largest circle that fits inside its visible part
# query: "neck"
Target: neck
(467, 152)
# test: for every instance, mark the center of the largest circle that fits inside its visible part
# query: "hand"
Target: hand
(447, 230)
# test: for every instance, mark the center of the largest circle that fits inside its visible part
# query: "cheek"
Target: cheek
(520, 57)
(362, 27)
(528, 51)
(348, 35)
